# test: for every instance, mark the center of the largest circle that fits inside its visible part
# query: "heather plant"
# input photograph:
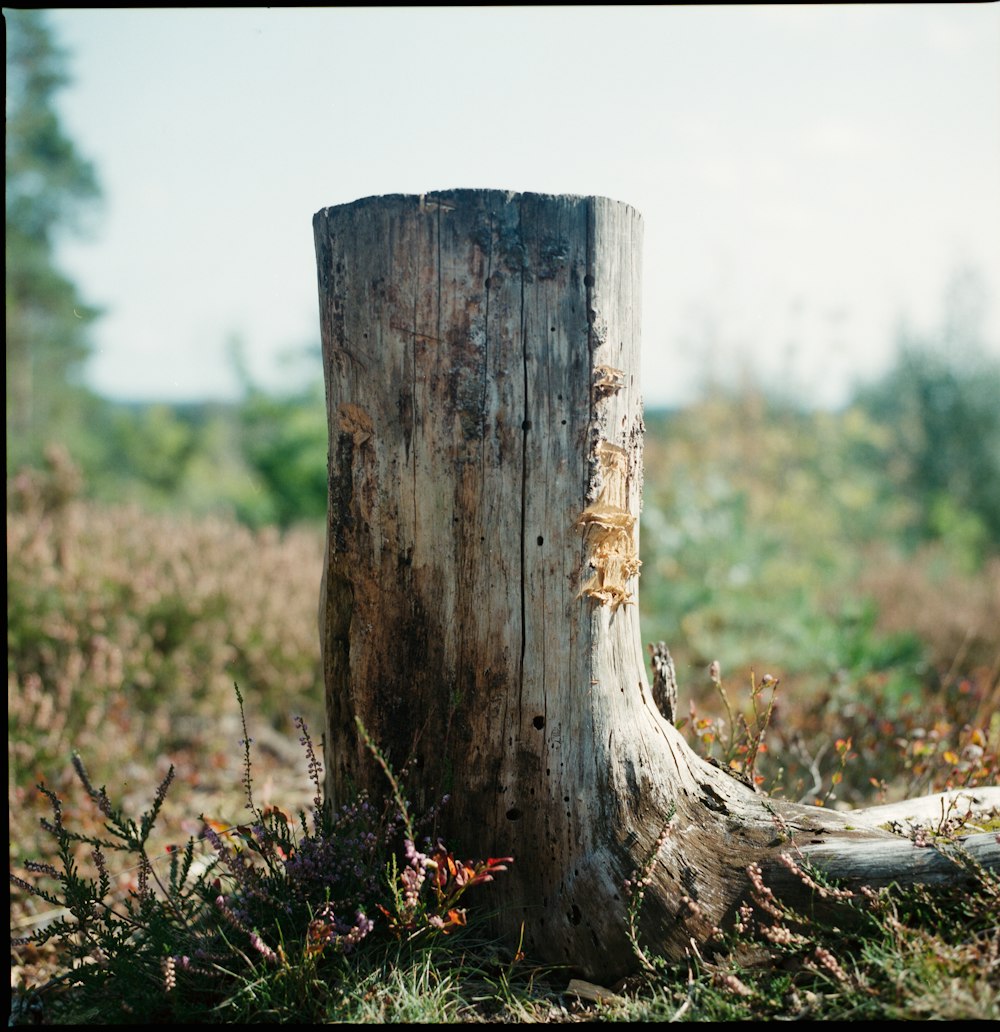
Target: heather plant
(851, 960)
(886, 954)
(889, 954)
(835, 751)
(126, 631)
(241, 921)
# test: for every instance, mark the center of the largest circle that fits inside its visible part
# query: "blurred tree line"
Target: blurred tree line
(940, 405)
(48, 186)
(264, 458)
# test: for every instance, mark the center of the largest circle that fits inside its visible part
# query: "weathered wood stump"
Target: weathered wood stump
(479, 612)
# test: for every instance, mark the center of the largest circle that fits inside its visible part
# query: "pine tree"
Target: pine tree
(49, 185)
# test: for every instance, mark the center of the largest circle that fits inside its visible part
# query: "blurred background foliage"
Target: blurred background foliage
(49, 189)
(855, 553)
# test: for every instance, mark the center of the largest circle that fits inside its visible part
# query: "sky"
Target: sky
(811, 178)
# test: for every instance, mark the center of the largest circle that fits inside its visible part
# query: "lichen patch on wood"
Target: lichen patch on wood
(609, 529)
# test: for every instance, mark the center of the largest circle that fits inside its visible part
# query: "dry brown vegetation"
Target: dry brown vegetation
(126, 633)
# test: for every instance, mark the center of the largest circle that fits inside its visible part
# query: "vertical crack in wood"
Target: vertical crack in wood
(439, 330)
(588, 284)
(525, 428)
(486, 352)
(415, 438)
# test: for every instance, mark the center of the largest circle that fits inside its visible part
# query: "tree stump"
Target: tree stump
(478, 612)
